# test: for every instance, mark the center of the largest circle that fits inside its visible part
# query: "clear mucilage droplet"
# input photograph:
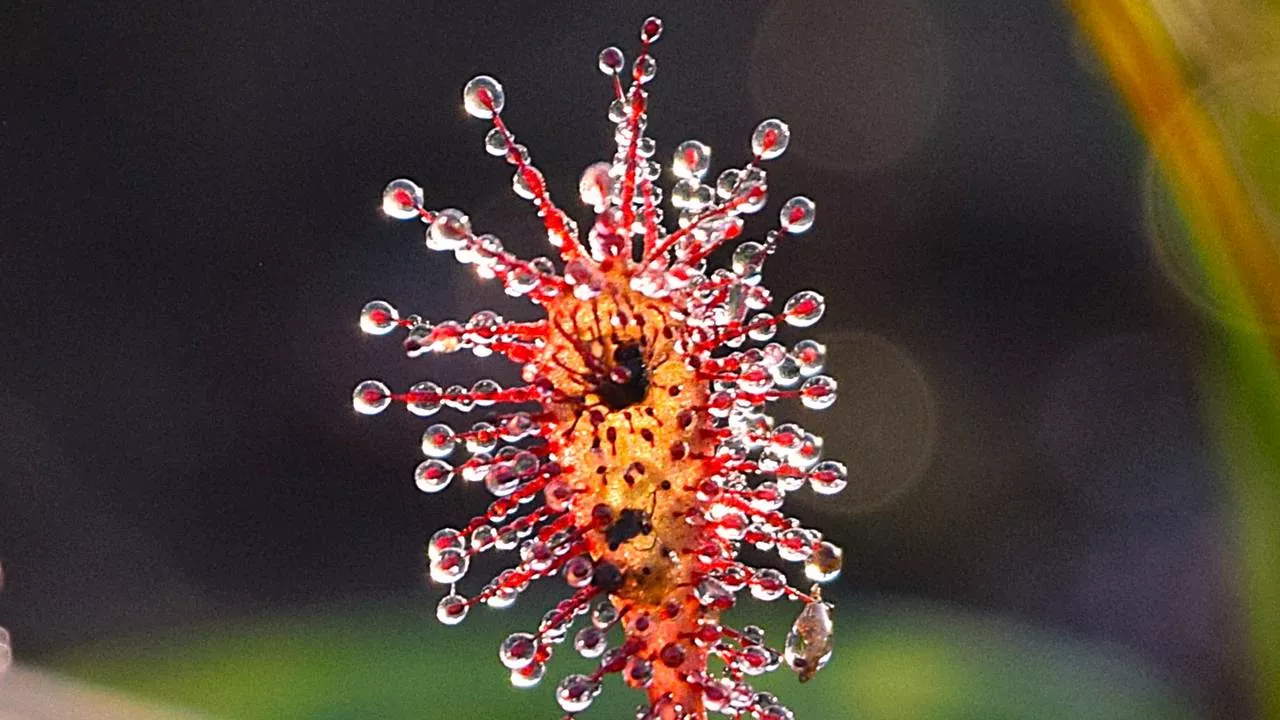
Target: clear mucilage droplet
(611, 61)
(818, 392)
(401, 199)
(797, 215)
(438, 441)
(528, 676)
(595, 186)
(576, 692)
(808, 646)
(378, 318)
(483, 97)
(770, 139)
(825, 563)
(805, 308)
(518, 650)
(450, 230)
(452, 609)
(691, 160)
(432, 476)
(370, 397)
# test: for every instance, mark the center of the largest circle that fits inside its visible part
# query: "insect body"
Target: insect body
(631, 522)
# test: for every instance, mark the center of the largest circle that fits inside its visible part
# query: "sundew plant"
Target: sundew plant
(640, 456)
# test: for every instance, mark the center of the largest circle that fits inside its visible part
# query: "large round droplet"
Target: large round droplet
(644, 68)
(438, 441)
(770, 139)
(768, 585)
(450, 566)
(804, 308)
(449, 230)
(810, 356)
(611, 61)
(825, 563)
(576, 692)
(797, 215)
(818, 392)
(691, 160)
(378, 317)
(829, 477)
(424, 399)
(401, 199)
(433, 475)
(518, 650)
(445, 539)
(528, 676)
(795, 544)
(483, 97)
(595, 185)
(651, 30)
(590, 642)
(495, 143)
(452, 609)
(484, 391)
(370, 397)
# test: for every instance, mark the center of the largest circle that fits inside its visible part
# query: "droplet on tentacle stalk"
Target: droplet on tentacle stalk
(639, 456)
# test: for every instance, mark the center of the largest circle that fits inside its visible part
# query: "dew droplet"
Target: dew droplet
(829, 477)
(449, 566)
(576, 692)
(651, 30)
(797, 215)
(378, 318)
(775, 712)
(795, 544)
(529, 675)
(518, 650)
(590, 642)
(452, 609)
(611, 61)
(595, 185)
(370, 397)
(484, 390)
(825, 563)
(768, 584)
(770, 139)
(804, 309)
(748, 258)
(444, 539)
(811, 356)
(604, 615)
(432, 476)
(424, 399)
(577, 572)
(691, 160)
(644, 69)
(639, 672)
(449, 231)
(496, 143)
(483, 97)
(438, 441)
(818, 392)
(401, 199)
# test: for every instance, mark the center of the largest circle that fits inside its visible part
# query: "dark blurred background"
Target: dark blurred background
(190, 227)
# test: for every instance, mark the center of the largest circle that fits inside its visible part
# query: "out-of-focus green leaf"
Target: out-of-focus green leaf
(892, 662)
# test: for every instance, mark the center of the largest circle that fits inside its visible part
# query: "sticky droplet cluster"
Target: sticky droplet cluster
(639, 456)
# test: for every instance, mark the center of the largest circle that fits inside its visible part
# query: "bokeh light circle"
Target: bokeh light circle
(883, 427)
